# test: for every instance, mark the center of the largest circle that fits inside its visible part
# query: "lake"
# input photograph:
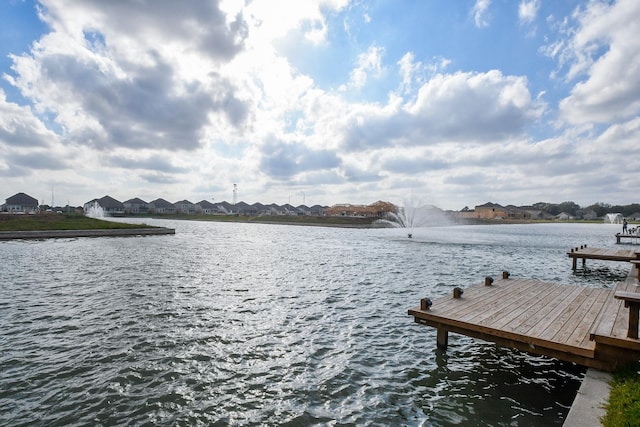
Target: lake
(253, 324)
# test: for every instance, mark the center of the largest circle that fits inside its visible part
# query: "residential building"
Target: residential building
(205, 207)
(161, 206)
(20, 202)
(378, 209)
(226, 208)
(242, 208)
(109, 205)
(136, 206)
(185, 207)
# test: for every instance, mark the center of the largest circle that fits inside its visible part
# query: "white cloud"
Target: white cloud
(416, 73)
(480, 13)
(20, 127)
(369, 63)
(528, 10)
(448, 108)
(603, 49)
(186, 100)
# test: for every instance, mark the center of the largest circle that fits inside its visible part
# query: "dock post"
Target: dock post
(443, 338)
(634, 317)
(574, 261)
(633, 321)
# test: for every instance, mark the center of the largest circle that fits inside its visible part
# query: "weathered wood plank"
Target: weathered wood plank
(531, 305)
(581, 335)
(572, 316)
(538, 329)
(545, 305)
(577, 328)
(580, 324)
(505, 295)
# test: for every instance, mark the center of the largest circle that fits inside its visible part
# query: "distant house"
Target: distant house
(243, 208)
(563, 216)
(185, 207)
(316, 210)
(261, 209)
(533, 213)
(136, 206)
(205, 207)
(109, 205)
(276, 209)
(22, 203)
(378, 209)
(491, 211)
(303, 210)
(161, 206)
(589, 214)
(634, 217)
(226, 208)
(290, 209)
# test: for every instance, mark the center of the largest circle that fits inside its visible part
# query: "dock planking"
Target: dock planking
(605, 254)
(584, 325)
(633, 238)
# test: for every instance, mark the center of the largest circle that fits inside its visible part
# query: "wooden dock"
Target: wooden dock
(588, 326)
(584, 253)
(634, 238)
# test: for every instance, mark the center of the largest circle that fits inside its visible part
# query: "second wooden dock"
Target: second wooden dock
(589, 326)
(605, 254)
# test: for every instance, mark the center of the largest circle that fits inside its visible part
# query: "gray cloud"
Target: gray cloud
(461, 107)
(356, 174)
(22, 135)
(38, 160)
(155, 163)
(412, 164)
(143, 110)
(281, 160)
(159, 178)
(200, 24)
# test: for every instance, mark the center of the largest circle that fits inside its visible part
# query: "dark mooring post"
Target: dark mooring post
(631, 301)
(442, 340)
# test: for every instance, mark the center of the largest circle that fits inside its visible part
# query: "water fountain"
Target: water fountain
(96, 211)
(613, 218)
(411, 217)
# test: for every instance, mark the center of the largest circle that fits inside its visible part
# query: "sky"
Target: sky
(445, 103)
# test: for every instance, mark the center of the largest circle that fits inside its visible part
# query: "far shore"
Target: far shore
(53, 225)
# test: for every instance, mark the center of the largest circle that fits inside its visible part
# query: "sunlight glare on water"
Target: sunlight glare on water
(250, 324)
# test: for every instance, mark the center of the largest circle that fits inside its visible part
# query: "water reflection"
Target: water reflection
(249, 324)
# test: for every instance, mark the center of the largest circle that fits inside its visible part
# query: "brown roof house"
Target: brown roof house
(492, 211)
(20, 202)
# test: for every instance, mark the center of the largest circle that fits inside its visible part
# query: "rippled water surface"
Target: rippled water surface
(250, 324)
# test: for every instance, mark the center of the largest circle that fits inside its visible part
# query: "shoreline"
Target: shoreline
(107, 232)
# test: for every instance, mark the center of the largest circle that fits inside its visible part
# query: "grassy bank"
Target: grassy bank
(54, 221)
(623, 408)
